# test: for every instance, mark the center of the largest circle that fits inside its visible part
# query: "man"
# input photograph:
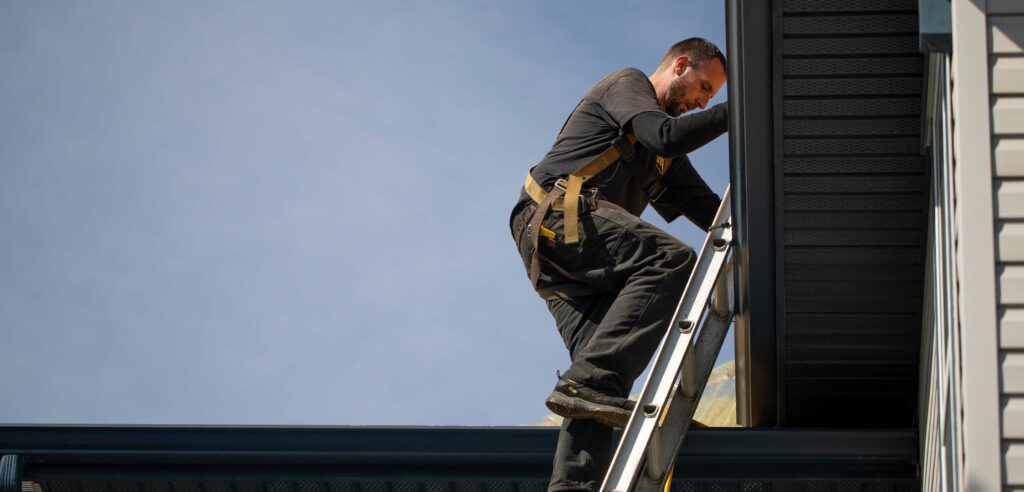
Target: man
(610, 279)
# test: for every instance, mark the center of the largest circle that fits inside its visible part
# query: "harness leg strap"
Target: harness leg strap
(533, 230)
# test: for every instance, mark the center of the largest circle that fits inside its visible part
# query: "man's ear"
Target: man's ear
(680, 65)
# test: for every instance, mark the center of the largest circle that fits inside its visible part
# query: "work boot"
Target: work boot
(574, 400)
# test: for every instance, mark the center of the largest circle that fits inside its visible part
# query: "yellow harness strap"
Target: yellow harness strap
(663, 164)
(534, 189)
(571, 201)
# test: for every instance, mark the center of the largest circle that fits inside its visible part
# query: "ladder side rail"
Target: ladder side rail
(668, 359)
(679, 414)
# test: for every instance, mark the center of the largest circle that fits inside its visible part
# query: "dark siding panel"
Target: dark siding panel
(832, 288)
(850, 165)
(830, 25)
(849, 203)
(853, 200)
(889, 86)
(851, 46)
(850, 127)
(838, 336)
(850, 306)
(853, 66)
(855, 221)
(846, 146)
(851, 352)
(872, 323)
(856, 184)
(837, 6)
(872, 108)
(861, 273)
(826, 237)
(825, 368)
(867, 387)
(861, 255)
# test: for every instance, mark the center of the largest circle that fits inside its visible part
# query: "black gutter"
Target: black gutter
(69, 453)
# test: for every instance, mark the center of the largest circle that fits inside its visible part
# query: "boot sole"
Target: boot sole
(576, 408)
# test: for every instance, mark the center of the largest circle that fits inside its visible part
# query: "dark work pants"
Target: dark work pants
(639, 273)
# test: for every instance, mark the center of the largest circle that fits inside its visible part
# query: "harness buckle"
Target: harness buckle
(655, 192)
(588, 197)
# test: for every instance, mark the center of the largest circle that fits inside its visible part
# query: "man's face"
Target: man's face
(693, 88)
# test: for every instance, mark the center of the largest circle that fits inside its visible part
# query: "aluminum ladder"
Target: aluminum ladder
(650, 442)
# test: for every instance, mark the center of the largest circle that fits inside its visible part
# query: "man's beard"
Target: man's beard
(676, 104)
(676, 107)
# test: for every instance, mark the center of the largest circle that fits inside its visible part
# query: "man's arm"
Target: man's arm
(687, 194)
(671, 137)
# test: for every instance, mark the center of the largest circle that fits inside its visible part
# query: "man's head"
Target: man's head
(690, 74)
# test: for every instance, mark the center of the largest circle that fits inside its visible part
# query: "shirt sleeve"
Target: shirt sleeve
(687, 194)
(627, 97)
(672, 137)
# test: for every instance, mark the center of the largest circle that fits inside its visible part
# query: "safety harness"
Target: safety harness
(566, 196)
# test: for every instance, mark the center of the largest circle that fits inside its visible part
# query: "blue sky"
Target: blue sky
(273, 213)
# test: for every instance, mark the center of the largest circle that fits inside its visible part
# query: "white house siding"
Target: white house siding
(1006, 60)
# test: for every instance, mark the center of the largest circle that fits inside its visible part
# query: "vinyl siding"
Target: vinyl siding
(1009, 156)
(1006, 59)
(1011, 333)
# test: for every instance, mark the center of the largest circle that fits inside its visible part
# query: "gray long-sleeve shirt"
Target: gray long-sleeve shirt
(625, 102)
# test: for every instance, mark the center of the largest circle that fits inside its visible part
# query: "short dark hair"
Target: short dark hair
(700, 50)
